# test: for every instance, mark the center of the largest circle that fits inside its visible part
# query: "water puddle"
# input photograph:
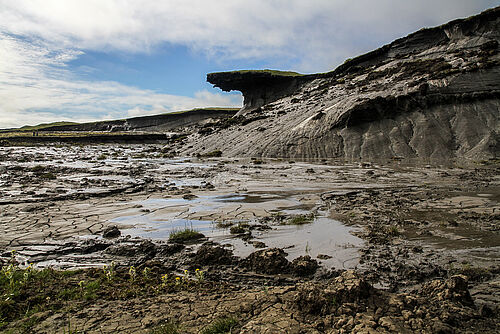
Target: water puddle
(157, 218)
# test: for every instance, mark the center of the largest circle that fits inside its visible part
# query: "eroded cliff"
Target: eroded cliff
(155, 123)
(433, 94)
(259, 87)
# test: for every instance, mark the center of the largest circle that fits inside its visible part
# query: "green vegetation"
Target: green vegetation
(26, 294)
(56, 134)
(238, 229)
(220, 326)
(300, 220)
(187, 234)
(267, 71)
(168, 327)
(200, 109)
(44, 126)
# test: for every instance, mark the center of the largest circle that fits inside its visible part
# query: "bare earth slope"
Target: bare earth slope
(433, 94)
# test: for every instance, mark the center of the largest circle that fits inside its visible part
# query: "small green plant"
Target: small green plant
(28, 273)
(238, 229)
(472, 272)
(200, 275)
(164, 280)
(132, 273)
(109, 271)
(300, 220)
(187, 234)
(9, 272)
(146, 272)
(168, 327)
(220, 326)
(90, 290)
(186, 275)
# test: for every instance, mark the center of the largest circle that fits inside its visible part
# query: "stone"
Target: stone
(111, 232)
(304, 266)
(212, 255)
(268, 261)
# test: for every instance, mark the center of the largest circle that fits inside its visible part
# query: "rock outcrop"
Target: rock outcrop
(434, 94)
(258, 87)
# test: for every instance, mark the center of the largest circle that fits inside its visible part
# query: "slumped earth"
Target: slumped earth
(287, 247)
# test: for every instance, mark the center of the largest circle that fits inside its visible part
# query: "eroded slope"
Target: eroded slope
(433, 94)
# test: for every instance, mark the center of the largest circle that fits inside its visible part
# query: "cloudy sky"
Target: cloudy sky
(103, 59)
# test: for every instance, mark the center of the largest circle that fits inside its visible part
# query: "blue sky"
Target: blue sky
(102, 59)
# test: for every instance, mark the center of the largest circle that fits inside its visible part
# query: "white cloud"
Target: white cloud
(36, 86)
(319, 33)
(39, 37)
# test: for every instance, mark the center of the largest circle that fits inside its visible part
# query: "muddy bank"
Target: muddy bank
(346, 303)
(287, 246)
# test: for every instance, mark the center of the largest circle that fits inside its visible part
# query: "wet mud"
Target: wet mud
(287, 246)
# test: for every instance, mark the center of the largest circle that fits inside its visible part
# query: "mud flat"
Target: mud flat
(287, 246)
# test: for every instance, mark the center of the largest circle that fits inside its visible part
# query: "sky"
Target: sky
(74, 60)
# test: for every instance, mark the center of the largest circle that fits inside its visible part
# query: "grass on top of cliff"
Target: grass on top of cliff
(38, 127)
(200, 109)
(266, 71)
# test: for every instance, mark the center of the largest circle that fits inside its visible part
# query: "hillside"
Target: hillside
(434, 94)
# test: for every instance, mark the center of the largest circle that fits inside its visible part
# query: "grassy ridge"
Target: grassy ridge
(267, 71)
(39, 126)
(43, 126)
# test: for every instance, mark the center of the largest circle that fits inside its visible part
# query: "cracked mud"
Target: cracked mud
(288, 247)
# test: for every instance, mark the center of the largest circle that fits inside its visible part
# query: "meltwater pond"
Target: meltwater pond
(333, 242)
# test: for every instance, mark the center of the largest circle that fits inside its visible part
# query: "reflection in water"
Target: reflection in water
(323, 236)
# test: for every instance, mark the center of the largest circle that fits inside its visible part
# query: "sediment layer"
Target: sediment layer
(433, 94)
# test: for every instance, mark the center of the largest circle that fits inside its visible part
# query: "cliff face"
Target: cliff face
(258, 87)
(155, 123)
(433, 94)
